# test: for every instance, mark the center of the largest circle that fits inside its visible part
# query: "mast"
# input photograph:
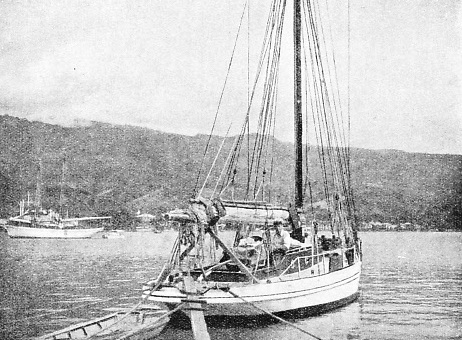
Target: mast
(61, 193)
(38, 188)
(298, 120)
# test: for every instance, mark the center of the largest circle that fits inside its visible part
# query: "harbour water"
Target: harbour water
(411, 287)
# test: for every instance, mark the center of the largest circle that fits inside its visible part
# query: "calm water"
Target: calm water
(411, 287)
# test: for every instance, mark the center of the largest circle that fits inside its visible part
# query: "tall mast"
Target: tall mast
(61, 193)
(38, 189)
(298, 120)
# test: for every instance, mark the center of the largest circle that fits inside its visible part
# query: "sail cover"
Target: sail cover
(252, 212)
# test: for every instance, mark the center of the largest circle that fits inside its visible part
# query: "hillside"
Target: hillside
(112, 168)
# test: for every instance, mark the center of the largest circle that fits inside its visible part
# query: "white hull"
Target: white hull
(290, 294)
(32, 232)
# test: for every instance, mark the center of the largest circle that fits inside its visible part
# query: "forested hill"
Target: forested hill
(111, 168)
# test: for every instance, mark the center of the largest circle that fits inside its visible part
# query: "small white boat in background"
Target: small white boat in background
(40, 232)
(48, 224)
(34, 221)
(110, 234)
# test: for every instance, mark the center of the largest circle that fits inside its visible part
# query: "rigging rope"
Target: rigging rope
(142, 300)
(161, 318)
(341, 147)
(275, 316)
(213, 164)
(272, 35)
(219, 102)
(327, 115)
(333, 151)
(268, 106)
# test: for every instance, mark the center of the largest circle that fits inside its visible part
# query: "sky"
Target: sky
(162, 65)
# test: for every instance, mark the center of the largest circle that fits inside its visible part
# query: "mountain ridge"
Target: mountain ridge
(115, 167)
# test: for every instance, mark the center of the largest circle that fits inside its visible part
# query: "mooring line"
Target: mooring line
(162, 275)
(275, 316)
(154, 323)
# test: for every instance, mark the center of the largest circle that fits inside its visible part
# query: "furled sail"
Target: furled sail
(227, 211)
(253, 212)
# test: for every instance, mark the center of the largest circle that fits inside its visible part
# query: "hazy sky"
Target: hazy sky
(161, 64)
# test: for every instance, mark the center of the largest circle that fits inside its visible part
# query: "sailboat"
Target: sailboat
(254, 273)
(35, 222)
(49, 224)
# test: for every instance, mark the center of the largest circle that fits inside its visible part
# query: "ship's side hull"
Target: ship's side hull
(279, 295)
(36, 232)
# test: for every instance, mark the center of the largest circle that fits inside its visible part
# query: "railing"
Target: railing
(320, 258)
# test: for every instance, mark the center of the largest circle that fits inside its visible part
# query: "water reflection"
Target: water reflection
(343, 323)
(410, 287)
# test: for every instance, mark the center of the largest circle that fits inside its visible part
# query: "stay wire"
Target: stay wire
(267, 107)
(338, 168)
(232, 166)
(220, 100)
(342, 145)
(323, 98)
(213, 164)
(316, 106)
(307, 134)
(270, 39)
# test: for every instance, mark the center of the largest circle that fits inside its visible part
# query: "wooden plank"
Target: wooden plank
(199, 327)
(195, 308)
